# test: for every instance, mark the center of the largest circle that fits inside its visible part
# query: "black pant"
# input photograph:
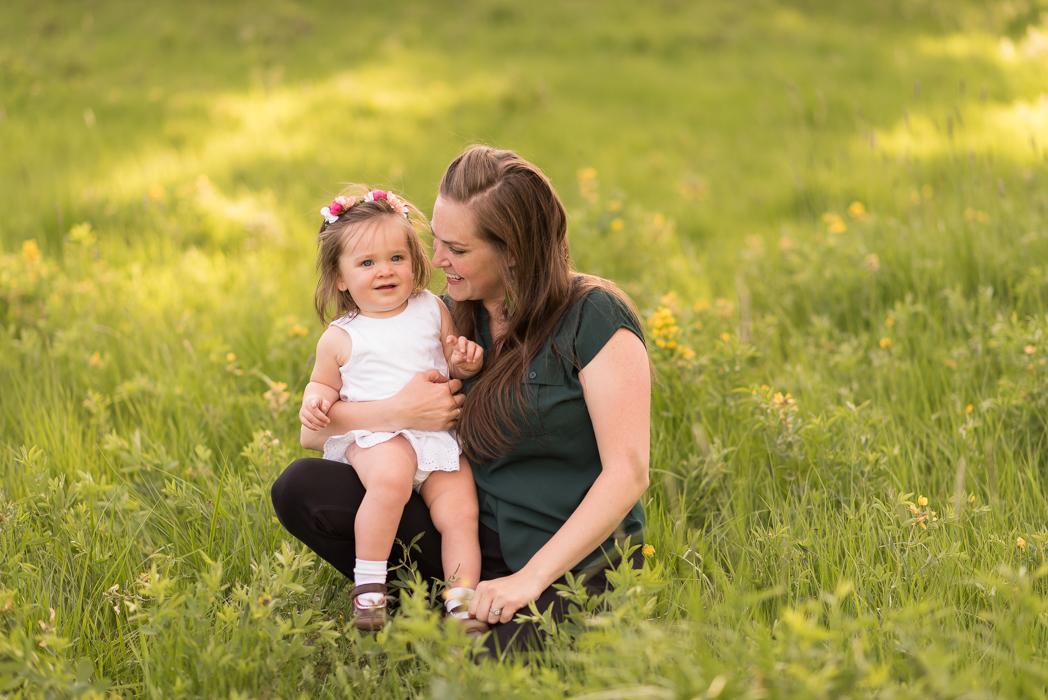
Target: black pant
(317, 501)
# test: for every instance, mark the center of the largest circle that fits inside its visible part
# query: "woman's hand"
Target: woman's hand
(507, 595)
(429, 401)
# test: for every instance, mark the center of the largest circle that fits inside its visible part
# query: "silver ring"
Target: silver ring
(497, 612)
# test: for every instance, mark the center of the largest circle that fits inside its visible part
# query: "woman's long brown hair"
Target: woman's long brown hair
(515, 209)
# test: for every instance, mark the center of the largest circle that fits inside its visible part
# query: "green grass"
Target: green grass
(162, 170)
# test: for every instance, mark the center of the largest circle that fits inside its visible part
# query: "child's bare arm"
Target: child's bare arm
(324, 384)
(465, 358)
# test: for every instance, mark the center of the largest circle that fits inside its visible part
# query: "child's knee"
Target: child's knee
(391, 485)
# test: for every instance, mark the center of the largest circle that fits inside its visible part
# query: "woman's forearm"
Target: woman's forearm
(376, 416)
(427, 402)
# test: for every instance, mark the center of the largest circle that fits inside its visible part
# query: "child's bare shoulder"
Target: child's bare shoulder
(335, 343)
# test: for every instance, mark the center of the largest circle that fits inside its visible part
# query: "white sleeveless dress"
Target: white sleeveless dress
(387, 353)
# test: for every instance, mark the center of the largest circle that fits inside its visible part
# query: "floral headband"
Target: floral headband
(343, 204)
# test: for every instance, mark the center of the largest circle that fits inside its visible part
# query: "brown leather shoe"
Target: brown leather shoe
(368, 618)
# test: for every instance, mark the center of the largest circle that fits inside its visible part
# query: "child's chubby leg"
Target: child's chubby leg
(452, 501)
(387, 471)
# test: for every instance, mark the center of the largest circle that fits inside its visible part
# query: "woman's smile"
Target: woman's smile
(471, 264)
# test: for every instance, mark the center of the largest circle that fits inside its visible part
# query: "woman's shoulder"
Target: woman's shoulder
(601, 300)
(598, 313)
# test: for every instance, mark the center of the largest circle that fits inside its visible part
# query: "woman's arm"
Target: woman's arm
(428, 402)
(616, 385)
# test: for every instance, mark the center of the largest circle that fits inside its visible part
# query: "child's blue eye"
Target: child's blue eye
(366, 263)
(397, 258)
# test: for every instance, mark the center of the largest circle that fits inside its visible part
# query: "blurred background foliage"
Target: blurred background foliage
(832, 216)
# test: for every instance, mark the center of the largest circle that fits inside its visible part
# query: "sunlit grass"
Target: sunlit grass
(831, 216)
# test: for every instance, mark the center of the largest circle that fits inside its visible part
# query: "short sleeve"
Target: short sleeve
(601, 315)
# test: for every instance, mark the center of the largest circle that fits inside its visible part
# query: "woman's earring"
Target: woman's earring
(511, 294)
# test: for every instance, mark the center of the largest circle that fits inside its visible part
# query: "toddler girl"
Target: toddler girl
(388, 329)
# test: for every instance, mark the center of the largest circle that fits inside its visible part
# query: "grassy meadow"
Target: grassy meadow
(832, 216)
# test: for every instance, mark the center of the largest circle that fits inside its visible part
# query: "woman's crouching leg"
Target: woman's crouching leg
(317, 501)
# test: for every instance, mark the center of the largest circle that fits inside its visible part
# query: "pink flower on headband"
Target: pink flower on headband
(396, 203)
(339, 206)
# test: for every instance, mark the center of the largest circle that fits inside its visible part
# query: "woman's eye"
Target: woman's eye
(456, 251)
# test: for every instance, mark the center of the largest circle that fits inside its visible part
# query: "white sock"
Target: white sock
(369, 572)
(457, 596)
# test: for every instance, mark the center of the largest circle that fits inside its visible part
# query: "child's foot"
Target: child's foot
(457, 603)
(368, 615)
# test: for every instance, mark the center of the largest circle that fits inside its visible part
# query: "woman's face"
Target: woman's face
(470, 264)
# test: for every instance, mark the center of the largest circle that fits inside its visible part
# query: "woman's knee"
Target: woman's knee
(287, 492)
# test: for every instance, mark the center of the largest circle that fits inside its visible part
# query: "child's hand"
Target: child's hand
(466, 355)
(313, 413)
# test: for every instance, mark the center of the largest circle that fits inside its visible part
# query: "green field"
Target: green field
(831, 214)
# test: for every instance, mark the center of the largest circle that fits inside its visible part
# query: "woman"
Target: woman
(556, 427)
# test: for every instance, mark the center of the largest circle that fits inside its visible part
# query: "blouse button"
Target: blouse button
(532, 375)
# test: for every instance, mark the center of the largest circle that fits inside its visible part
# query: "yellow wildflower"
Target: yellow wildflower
(297, 330)
(889, 322)
(922, 501)
(231, 357)
(856, 210)
(616, 224)
(588, 184)
(31, 252)
(968, 409)
(1020, 542)
(156, 193)
(885, 343)
(648, 550)
(1029, 349)
(95, 360)
(835, 224)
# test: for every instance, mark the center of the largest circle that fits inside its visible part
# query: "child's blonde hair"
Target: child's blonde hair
(334, 234)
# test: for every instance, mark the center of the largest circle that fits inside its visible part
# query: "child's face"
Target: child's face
(375, 268)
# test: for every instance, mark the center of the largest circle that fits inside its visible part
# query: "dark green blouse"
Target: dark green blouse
(527, 494)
